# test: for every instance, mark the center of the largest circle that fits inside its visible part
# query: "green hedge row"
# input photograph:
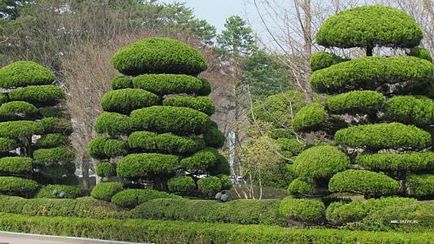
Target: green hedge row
(402, 162)
(126, 100)
(364, 102)
(142, 164)
(130, 198)
(410, 110)
(60, 191)
(203, 104)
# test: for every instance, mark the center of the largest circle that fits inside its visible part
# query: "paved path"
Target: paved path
(20, 238)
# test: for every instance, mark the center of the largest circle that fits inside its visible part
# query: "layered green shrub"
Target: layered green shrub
(96, 147)
(201, 160)
(115, 147)
(363, 182)
(16, 165)
(213, 137)
(420, 185)
(369, 26)
(182, 184)
(7, 144)
(164, 119)
(52, 140)
(310, 117)
(122, 82)
(54, 155)
(138, 165)
(52, 111)
(209, 185)
(18, 186)
(105, 169)
(56, 125)
(126, 100)
(305, 210)
(18, 109)
(39, 95)
(200, 103)
(321, 60)
(290, 145)
(19, 129)
(369, 73)
(25, 73)
(158, 55)
(420, 53)
(401, 162)
(383, 135)
(106, 190)
(221, 166)
(365, 102)
(410, 110)
(301, 186)
(130, 198)
(113, 123)
(60, 191)
(4, 98)
(163, 84)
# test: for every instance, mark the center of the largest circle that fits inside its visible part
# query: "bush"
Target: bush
(421, 53)
(301, 186)
(122, 82)
(39, 95)
(106, 190)
(96, 147)
(113, 124)
(383, 135)
(56, 125)
(363, 182)
(18, 109)
(321, 60)
(305, 210)
(7, 144)
(205, 89)
(420, 185)
(51, 111)
(310, 117)
(163, 84)
(59, 191)
(369, 73)
(290, 145)
(209, 185)
(19, 129)
(201, 103)
(142, 164)
(126, 100)
(115, 147)
(52, 140)
(25, 73)
(4, 98)
(320, 162)
(18, 186)
(220, 167)
(55, 155)
(164, 119)
(183, 184)
(355, 102)
(130, 198)
(158, 55)
(58, 174)
(369, 26)
(16, 165)
(213, 137)
(201, 160)
(401, 162)
(105, 169)
(410, 110)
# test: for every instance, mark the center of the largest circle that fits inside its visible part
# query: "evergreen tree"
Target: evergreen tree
(237, 38)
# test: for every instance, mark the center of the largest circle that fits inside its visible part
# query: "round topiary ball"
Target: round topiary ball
(181, 184)
(305, 210)
(209, 185)
(106, 190)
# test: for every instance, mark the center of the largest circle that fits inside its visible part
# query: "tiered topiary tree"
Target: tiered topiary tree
(378, 112)
(155, 127)
(34, 131)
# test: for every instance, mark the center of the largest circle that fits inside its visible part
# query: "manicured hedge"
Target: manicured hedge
(126, 100)
(56, 125)
(321, 60)
(164, 119)
(213, 137)
(181, 184)
(302, 186)
(25, 73)
(7, 144)
(363, 182)
(310, 117)
(420, 185)
(383, 135)
(200, 103)
(369, 26)
(52, 140)
(113, 124)
(369, 73)
(163, 84)
(51, 111)
(18, 186)
(19, 129)
(158, 55)
(304, 210)
(106, 190)
(4, 98)
(130, 198)
(365, 102)
(39, 95)
(410, 110)
(96, 147)
(60, 191)
(18, 109)
(55, 155)
(201, 160)
(320, 162)
(105, 169)
(293, 146)
(142, 164)
(115, 147)
(122, 82)
(16, 165)
(209, 186)
(421, 53)
(401, 162)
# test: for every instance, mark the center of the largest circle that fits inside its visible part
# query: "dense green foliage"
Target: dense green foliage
(52, 140)
(142, 164)
(18, 186)
(209, 185)
(25, 73)
(130, 198)
(364, 102)
(44, 95)
(321, 60)
(106, 190)
(201, 160)
(105, 169)
(401, 162)
(16, 165)
(421, 53)
(18, 110)
(7, 144)
(163, 84)
(60, 191)
(213, 137)
(113, 123)
(309, 117)
(19, 129)
(182, 184)
(301, 186)
(410, 110)
(126, 100)
(122, 82)
(96, 147)
(54, 155)
(305, 210)
(56, 125)
(201, 103)
(420, 185)
(292, 146)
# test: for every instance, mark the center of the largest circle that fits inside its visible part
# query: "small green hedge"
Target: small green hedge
(213, 137)
(370, 26)
(304, 210)
(52, 111)
(410, 110)
(55, 155)
(25, 73)
(181, 184)
(115, 147)
(201, 160)
(17, 186)
(18, 109)
(130, 198)
(19, 129)
(56, 125)
(402, 162)
(52, 140)
(164, 119)
(321, 60)
(302, 186)
(106, 190)
(39, 95)
(421, 53)
(209, 186)
(142, 164)
(365, 102)
(105, 169)
(163, 84)
(126, 100)
(16, 165)
(293, 146)
(363, 182)
(60, 191)
(158, 55)
(369, 73)
(96, 147)
(113, 124)
(202, 103)
(420, 185)
(7, 144)
(383, 135)
(310, 117)
(122, 82)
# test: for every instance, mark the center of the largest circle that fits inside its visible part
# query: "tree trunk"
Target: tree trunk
(85, 163)
(369, 50)
(307, 22)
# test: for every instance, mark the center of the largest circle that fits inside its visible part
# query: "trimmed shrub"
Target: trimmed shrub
(310, 117)
(301, 186)
(363, 182)
(213, 137)
(113, 124)
(4, 98)
(410, 110)
(25, 73)
(122, 82)
(401, 162)
(209, 185)
(369, 26)
(16, 165)
(115, 147)
(201, 103)
(142, 164)
(205, 89)
(52, 140)
(383, 135)
(55, 155)
(38, 95)
(130, 198)
(220, 167)
(106, 190)
(105, 169)
(420, 53)
(163, 119)
(163, 84)
(320, 162)
(56, 125)
(126, 100)
(58, 173)
(59, 191)
(183, 184)
(96, 147)
(305, 210)
(18, 109)
(201, 160)
(369, 73)
(18, 186)
(7, 144)
(158, 55)
(19, 129)
(321, 60)
(420, 185)
(364, 102)
(226, 182)
(290, 145)
(51, 111)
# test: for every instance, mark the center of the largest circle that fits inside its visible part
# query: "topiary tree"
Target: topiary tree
(155, 128)
(34, 130)
(376, 111)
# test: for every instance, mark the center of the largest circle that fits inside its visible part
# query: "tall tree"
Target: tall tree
(237, 39)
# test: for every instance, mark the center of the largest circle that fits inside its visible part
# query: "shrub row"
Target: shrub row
(139, 165)
(60, 191)
(410, 110)
(25, 73)
(403, 162)
(130, 198)
(126, 100)
(364, 102)
(310, 117)
(203, 104)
